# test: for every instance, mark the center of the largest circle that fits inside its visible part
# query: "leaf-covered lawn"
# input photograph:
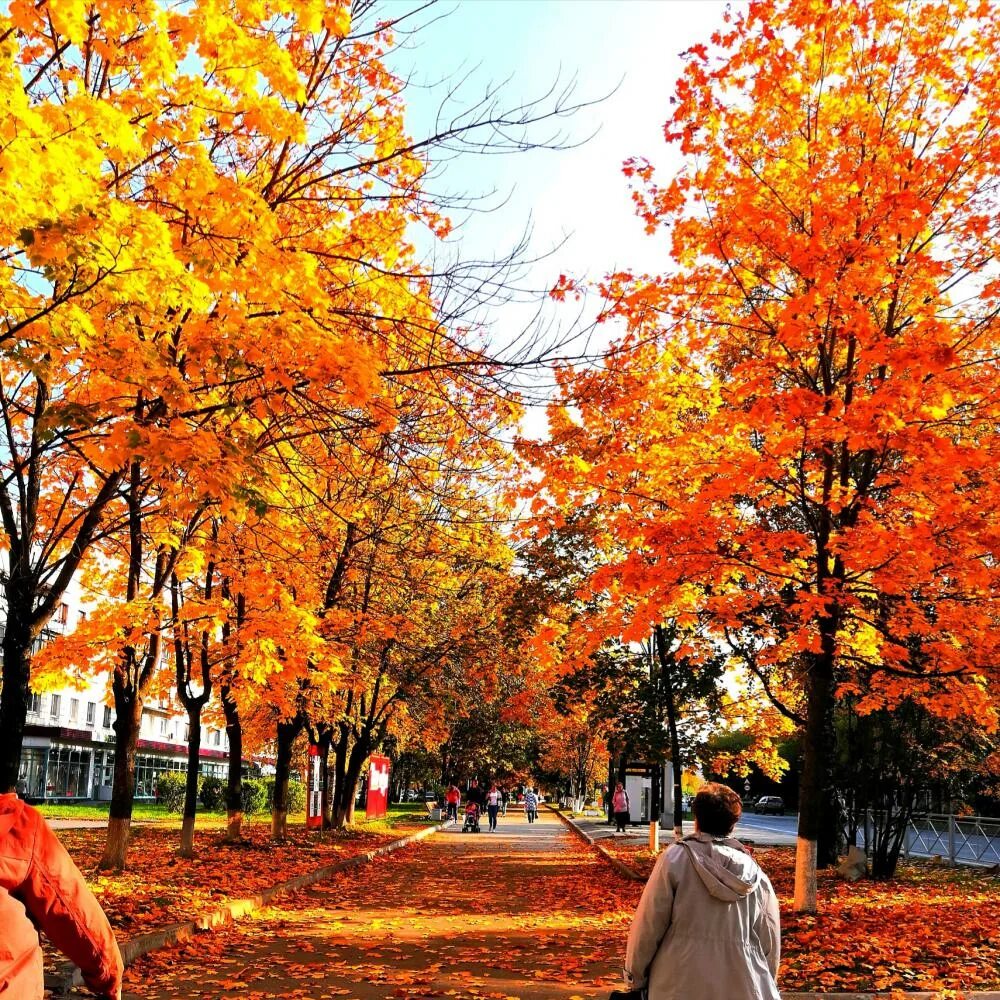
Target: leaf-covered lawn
(933, 928)
(161, 888)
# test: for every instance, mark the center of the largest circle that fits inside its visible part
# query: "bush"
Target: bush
(170, 789)
(255, 796)
(296, 795)
(213, 793)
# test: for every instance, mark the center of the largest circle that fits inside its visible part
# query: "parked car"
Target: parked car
(770, 804)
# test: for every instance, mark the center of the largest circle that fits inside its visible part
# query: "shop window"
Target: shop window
(31, 773)
(68, 773)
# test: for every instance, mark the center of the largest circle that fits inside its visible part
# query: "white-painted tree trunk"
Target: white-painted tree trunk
(234, 826)
(279, 824)
(804, 900)
(116, 843)
(187, 837)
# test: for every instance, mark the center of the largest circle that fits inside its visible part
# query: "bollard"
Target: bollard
(654, 837)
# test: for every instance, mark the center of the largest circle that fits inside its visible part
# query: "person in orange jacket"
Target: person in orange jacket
(41, 888)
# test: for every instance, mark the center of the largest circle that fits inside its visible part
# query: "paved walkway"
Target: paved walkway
(529, 911)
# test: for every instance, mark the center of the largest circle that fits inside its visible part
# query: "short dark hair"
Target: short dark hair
(717, 808)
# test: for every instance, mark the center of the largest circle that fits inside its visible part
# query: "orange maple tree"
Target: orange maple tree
(794, 434)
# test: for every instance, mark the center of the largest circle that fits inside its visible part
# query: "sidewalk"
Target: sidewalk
(527, 912)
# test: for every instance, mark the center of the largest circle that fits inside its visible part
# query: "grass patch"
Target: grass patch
(142, 812)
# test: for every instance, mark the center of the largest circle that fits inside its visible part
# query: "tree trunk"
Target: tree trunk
(339, 808)
(666, 662)
(191, 786)
(13, 699)
(287, 732)
(813, 787)
(128, 709)
(234, 778)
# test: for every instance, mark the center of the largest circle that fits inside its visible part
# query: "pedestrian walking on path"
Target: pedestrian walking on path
(453, 799)
(493, 805)
(531, 805)
(707, 923)
(504, 799)
(42, 889)
(620, 805)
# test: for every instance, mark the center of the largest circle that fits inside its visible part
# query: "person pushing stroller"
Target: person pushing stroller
(471, 824)
(476, 796)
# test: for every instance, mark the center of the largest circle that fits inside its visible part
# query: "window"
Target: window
(83, 616)
(62, 614)
(163, 727)
(217, 737)
(68, 773)
(31, 775)
(91, 713)
(54, 706)
(187, 732)
(74, 709)
(107, 716)
(34, 703)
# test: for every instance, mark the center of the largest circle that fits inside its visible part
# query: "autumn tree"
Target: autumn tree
(233, 243)
(800, 416)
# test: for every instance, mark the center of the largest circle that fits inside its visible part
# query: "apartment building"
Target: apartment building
(69, 746)
(68, 750)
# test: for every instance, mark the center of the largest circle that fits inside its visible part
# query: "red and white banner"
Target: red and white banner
(378, 787)
(314, 790)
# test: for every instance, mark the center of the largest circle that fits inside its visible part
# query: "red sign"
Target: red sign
(378, 787)
(314, 790)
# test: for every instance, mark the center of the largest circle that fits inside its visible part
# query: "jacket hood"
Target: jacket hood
(724, 867)
(10, 810)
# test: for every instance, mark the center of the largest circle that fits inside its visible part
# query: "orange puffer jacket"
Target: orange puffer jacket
(41, 887)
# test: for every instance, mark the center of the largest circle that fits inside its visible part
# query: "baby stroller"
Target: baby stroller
(471, 824)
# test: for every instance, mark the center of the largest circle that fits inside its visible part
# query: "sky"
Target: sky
(624, 55)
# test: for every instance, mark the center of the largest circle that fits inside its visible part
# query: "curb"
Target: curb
(619, 866)
(68, 975)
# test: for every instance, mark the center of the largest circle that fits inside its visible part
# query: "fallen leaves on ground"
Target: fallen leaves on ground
(459, 917)
(161, 888)
(933, 928)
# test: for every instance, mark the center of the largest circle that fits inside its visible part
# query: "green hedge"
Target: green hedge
(255, 797)
(170, 787)
(213, 793)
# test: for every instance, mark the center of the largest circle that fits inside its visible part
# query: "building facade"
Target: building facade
(68, 752)
(69, 747)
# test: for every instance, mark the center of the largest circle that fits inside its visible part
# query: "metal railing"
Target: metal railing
(966, 840)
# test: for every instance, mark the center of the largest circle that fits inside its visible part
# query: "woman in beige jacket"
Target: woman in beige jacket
(707, 923)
